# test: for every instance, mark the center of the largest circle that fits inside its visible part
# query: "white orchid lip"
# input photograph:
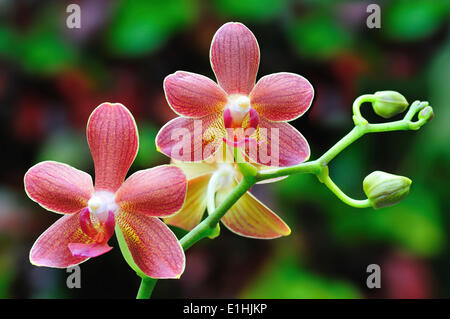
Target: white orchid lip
(101, 203)
(224, 176)
(239, 106)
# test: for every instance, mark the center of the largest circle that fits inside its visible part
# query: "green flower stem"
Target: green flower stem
(312, 167)
(357, 132)
(319, 167)
(146, 288)
(357, 117)
(209, 226)
(363, 203)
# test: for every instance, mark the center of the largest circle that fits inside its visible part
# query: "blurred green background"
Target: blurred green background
(52, 77)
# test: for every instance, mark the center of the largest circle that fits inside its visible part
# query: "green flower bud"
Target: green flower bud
(384, 189)
(389, 103)
(426, 114)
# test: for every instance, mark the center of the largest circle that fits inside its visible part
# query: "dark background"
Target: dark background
(52, 77)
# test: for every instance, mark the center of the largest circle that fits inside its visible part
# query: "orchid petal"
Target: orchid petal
(193, 95)
(113, 139)
(250, 218)
(51, 249)
(277, 144)
(234, 58)
(191, 140)
(100, 233)
(193, 170)
(58, 187)
(89, 250)
(192, 212)
(158, 191)
(153, 246)
(282, 96)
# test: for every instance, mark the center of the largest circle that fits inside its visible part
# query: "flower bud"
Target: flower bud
(384, 189)
(426, 114)
(389, 103)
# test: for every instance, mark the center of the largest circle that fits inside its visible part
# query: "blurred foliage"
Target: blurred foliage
(41, 48)
(285, 278)
(412, 20)
(252, 10)
(51, 77)
(142, 26)
(147, 156)
(67, 147)
(319, 35)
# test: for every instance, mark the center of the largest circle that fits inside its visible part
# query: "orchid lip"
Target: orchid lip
(237, 108)
(101, 203)
(98, 231)
(224, 176)
(240, 143)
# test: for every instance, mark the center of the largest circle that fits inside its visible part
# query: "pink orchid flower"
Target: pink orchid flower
(236, 110)
(91, 213)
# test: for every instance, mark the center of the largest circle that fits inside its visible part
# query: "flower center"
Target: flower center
(237, 108)
(101, 203)
(224, 176)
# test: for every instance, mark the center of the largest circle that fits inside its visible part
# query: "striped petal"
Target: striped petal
(191, 140)
(192, 212)
(153, 246)
(158, 191)
(113, 139)
(234, 58)
(282, 96)
(89, 250)
(277, 144)
(193, 95)
(193, 170)
(250, 218)
(58, 187)
(51, 249)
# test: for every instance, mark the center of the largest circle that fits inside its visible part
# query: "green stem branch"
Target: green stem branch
(209, 226)
(146, 288)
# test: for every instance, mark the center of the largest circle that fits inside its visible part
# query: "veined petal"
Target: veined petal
(113, 139)
(193, 95)
(234, 56)
(51, 249)
(153, 246)
(277, 144)
(158, 191)
(282, 96)
(193, 170)
(192, 212)
(58, 187)
(191, 140)
(89, 250)
(250, 218)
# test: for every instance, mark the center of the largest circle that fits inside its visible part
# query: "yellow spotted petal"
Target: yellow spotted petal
(192, 212)
(250, 218)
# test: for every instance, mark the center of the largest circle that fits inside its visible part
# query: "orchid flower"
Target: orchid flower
(235, 110)
(218, 177)
(90, 214)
